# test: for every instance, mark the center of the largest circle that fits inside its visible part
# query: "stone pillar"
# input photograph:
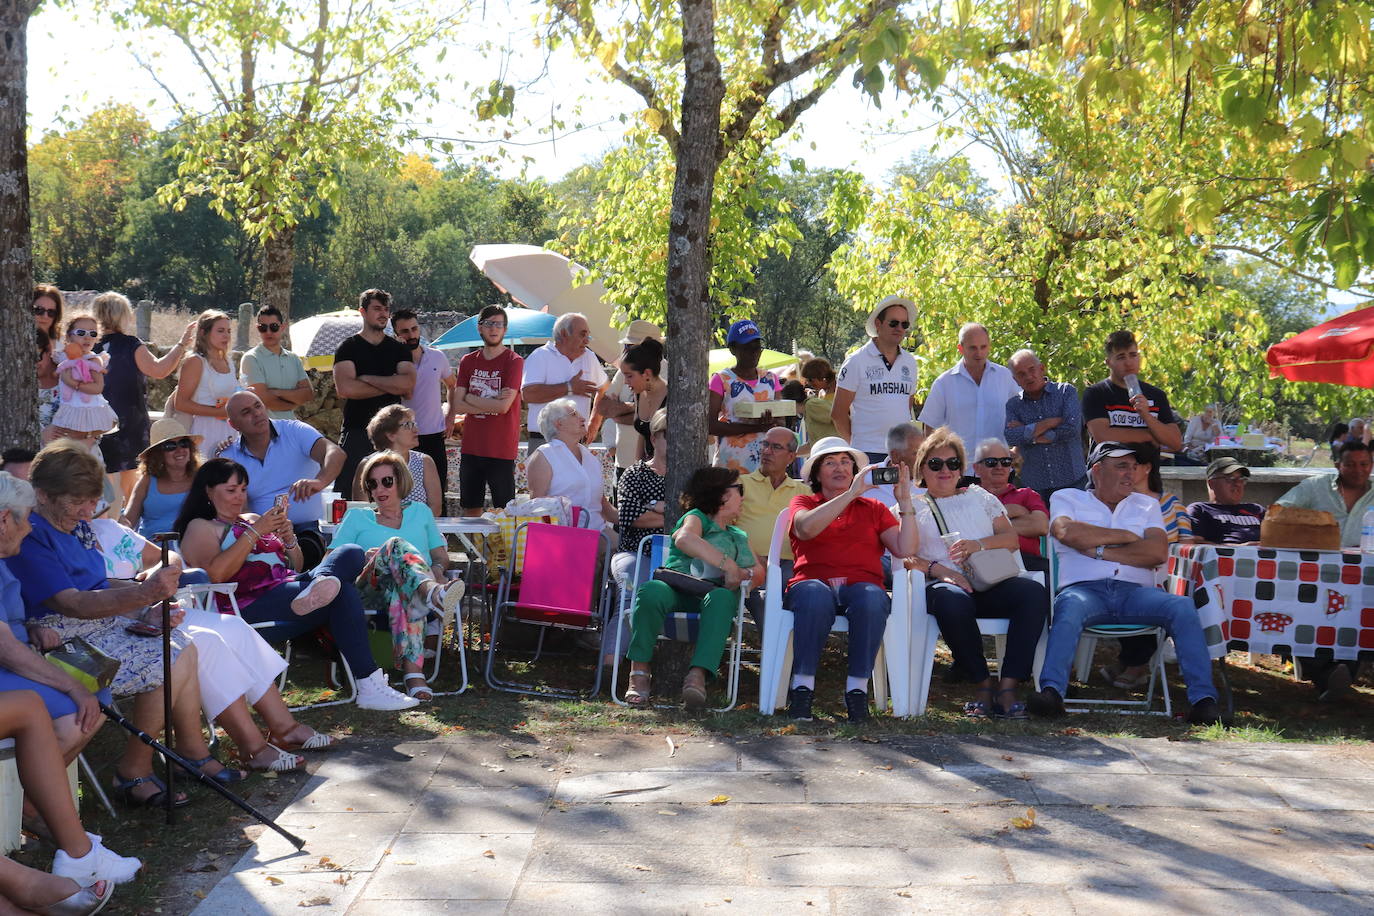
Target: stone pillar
(143, 319)
(246, 312)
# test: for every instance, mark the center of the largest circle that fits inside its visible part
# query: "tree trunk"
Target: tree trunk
(18, 384)
(689, 265)
(278, 267)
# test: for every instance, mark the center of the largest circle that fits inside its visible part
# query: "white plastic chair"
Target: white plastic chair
(776, 665)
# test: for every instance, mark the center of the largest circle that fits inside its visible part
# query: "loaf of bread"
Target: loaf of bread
(1301, 529)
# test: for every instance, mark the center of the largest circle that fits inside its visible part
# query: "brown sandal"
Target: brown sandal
(694, 691)
(637, 696)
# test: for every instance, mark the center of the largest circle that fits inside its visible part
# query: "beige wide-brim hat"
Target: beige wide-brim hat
(639, 330)
(871, 326)
(165, 430)
(831, 445)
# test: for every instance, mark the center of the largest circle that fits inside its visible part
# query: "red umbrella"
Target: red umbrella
(1339, 351)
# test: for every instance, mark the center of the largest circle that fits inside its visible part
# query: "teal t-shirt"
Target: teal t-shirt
(730, 541)
(418, 529)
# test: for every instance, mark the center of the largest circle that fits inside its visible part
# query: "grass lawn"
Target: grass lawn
(186, 859)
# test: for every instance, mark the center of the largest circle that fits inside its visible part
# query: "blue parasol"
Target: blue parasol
(523, 326)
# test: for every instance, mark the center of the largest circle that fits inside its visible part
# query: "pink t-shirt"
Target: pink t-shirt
(1025, 496)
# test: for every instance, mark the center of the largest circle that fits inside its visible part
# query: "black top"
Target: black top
(1218, 524)
(642, 427)
(1105, 401)
(370, 359)
(639, 488)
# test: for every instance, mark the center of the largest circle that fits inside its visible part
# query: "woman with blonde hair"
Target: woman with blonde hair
(207, 380)
(130, 362)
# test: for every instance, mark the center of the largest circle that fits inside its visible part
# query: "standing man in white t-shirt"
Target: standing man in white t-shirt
(971, 397)
(876, 383)
(434, 381)
(617, 402)
(565, 367)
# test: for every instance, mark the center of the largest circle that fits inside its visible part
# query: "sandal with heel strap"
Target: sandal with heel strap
(1013, 710)
(124, 788)
(226, 776)
(315, 742)
(280, 762)
(635, 697)
(420, 688)
(979, 709)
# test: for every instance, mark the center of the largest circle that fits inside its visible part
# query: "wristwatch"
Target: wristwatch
(1101, 548)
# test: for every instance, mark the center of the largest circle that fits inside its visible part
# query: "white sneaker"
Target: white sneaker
(316, 595)
(375, 693)
(100, 864)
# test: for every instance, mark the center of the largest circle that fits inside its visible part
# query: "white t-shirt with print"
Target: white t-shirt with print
(882, 395)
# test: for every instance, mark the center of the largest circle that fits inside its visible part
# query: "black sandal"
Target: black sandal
(125, 788)
(979, 709)
(1014, 710)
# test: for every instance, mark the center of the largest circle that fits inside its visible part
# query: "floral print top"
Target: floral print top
(263, 570)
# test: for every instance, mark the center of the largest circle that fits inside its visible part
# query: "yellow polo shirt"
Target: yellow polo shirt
(762, 503)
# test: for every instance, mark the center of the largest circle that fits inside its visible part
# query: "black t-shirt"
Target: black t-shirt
(1105, 401)
(370, 359)
(1218, 524)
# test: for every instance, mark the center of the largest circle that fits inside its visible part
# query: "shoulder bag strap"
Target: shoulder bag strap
(939, 516)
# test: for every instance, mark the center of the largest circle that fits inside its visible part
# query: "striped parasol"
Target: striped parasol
(315, 339)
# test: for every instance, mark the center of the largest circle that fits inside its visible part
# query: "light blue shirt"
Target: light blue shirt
(974, 410)
(360, 526)
(1320, 492)
(287, 461)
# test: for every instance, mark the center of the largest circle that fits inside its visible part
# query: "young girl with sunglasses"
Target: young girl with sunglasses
(82, 412)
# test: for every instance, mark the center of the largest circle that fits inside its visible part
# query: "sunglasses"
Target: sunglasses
(372, 484)
(894, 323)
(491, 324)
(41, 310)
(83, 332)
(171, 445)
(996, 462)
(272, 328)
(939, 464)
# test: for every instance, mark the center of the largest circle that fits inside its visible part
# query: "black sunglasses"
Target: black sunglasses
(939, 464)
(40, 310)
(171, 445)
(371, 484)
(269, 328)
(996, 462)
(894, 323)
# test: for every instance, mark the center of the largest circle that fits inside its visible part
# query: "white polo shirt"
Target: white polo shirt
(882, 395)
(974, 410)
(427, 403)
(547, 366)
(1136, 513)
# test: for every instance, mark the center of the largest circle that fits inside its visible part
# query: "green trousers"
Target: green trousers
(656, 600)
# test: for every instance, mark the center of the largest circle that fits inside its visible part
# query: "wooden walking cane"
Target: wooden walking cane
(167, 798)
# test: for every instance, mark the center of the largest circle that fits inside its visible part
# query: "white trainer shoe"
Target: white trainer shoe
(100, 864)
(375, 693)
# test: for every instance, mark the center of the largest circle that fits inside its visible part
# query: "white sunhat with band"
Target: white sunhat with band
(871, 325)
(831, 445)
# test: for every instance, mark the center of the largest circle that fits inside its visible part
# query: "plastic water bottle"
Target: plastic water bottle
(1367, 531)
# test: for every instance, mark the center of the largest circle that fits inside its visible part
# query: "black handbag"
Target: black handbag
(688, 585)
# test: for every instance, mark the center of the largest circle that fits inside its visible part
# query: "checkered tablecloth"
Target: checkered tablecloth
(1261, 599)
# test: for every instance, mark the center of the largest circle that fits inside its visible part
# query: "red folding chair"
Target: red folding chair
(557, 588)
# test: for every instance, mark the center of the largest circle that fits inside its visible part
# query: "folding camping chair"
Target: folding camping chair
(555, 589)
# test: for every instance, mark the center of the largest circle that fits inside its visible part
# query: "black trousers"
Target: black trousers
(432, 444)
(356, 446)
(1020, 600)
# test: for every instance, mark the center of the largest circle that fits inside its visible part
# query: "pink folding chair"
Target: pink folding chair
(556, 589)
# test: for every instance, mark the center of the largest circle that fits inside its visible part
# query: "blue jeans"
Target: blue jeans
(342, 617)
(815, 605)
(1099, 601)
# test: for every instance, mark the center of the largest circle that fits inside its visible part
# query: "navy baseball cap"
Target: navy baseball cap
(743, 332)
(1104, 450)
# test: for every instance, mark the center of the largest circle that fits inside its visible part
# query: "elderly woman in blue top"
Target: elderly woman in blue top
(398, 534)
(66, 593)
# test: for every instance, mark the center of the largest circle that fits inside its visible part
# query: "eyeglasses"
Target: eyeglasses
(409, 424)
(272, 328)
(939, 464)
(373, 484)
(996, 462)
(493, 323)
(40, 310)
(894, 323)
(737, 486)
(83, 332)
(171, 445)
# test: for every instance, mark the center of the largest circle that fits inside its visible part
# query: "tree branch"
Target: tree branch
(1288, 268)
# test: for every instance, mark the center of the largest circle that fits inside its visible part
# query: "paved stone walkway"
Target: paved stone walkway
(806, 824)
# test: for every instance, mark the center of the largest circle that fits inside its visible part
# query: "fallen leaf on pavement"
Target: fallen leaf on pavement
(315, 901)
(867, 740)
(1008, 757)
(903, 893)
(885, 767)
(641, 868)
(489, 854)
(720, 800)
(668, 813)
(1024, 823)
(274, 881)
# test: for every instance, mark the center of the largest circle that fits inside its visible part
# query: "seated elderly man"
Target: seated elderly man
(1109, 541)
(1346, 496)
(767, 492)
(283, 456)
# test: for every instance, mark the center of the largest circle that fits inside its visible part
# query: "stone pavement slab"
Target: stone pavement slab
(625, 823)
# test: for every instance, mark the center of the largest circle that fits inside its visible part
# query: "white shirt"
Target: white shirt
(427, 401)
(974, 410)
(1136, 513)
(882, 395)
(578, 477)
(547, 366)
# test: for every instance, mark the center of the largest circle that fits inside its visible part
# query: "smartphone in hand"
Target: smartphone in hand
(143, 628)
(883, 476)
(282, 501)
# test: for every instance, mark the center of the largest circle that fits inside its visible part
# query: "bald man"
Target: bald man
(283, 456)
(971, 397)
